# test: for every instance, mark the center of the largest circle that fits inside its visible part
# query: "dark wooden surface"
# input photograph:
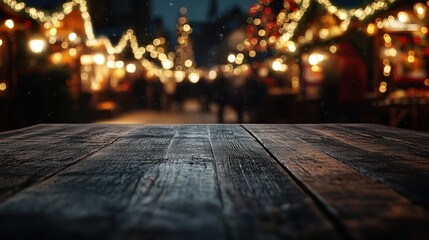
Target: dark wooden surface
(330, 181)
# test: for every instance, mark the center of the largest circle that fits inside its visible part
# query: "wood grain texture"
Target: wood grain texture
(30, 155)
(260, 200)
(367, 208)
(399, 165)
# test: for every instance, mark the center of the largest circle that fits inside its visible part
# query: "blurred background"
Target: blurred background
(214, 61)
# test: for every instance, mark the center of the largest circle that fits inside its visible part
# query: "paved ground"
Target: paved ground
(191, 114)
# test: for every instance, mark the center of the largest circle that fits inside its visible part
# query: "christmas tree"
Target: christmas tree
(184, 53)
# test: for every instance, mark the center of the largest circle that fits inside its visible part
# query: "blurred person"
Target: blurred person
(329, 91)
(220, 92)
(352, 83)
(257, 92)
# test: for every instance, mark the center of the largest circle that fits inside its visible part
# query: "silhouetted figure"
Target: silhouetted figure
(256, 92)
(352, 85)
(329, 91)
(239, 97)
(220, 95)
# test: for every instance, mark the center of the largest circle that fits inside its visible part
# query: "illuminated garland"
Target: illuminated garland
(51, 21)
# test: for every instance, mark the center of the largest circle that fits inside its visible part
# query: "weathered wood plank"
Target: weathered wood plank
(404, 168)
(260, 201)
(147, 185)
(163, 182)
(369, 209)
(30, 156)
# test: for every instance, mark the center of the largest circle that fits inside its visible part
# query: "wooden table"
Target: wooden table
(214, 182)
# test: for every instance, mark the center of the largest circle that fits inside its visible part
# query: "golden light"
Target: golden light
(263, 72)
(186, 28)
(420, 10)
(1, 42)
(291, 46)
(99, 59)
(387, 38)
(72, 37)
(179, 76)
(411, 59)
(131, 68)
(167, 64)
(56, 58)
(119, 64)
(383, 87)
(323, 33)
(240, 47)
(315, 68)
(333, 49)
(212, 75)
(426, 82)
(315, 58)
(86, 59)
(72, 52)
(387, 70)
(424, 30)
(53, 31)
(188, 63)
(3, 86)
(403, 17)
(252, 54)
(37, 45)
(231, 58)
(371, 29)
(261, 32)
(277, 64)
(194, 77)
(156, 42)
(111, 64)
(9, 23)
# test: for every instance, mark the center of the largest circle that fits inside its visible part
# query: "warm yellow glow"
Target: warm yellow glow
(167, 64)
(387, 38)
(156, 42)
(194, 77)
(315, 68)
(323, 33)
(99, 59)
(72, 52)
(240, 47)
(212, 75)
(37, 45)
(252, 54)
(261, 32)
(315, 58)
(291, 46)
(426, 82)
(119, 64)
(371, 29)
(333, 49)
(420, 10)
(424, 30)
(257, 21)
(131, 68)
(111, 64)
(53, 31)
(231, 58)
(383, 87)
(411, 59)
(9, 23)
(188, 63)
(3, 86)
(1, 42)
(186, 28)
(403, 17)
(56, 58)
(72, 37)
(179, 76)
(277, 64)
